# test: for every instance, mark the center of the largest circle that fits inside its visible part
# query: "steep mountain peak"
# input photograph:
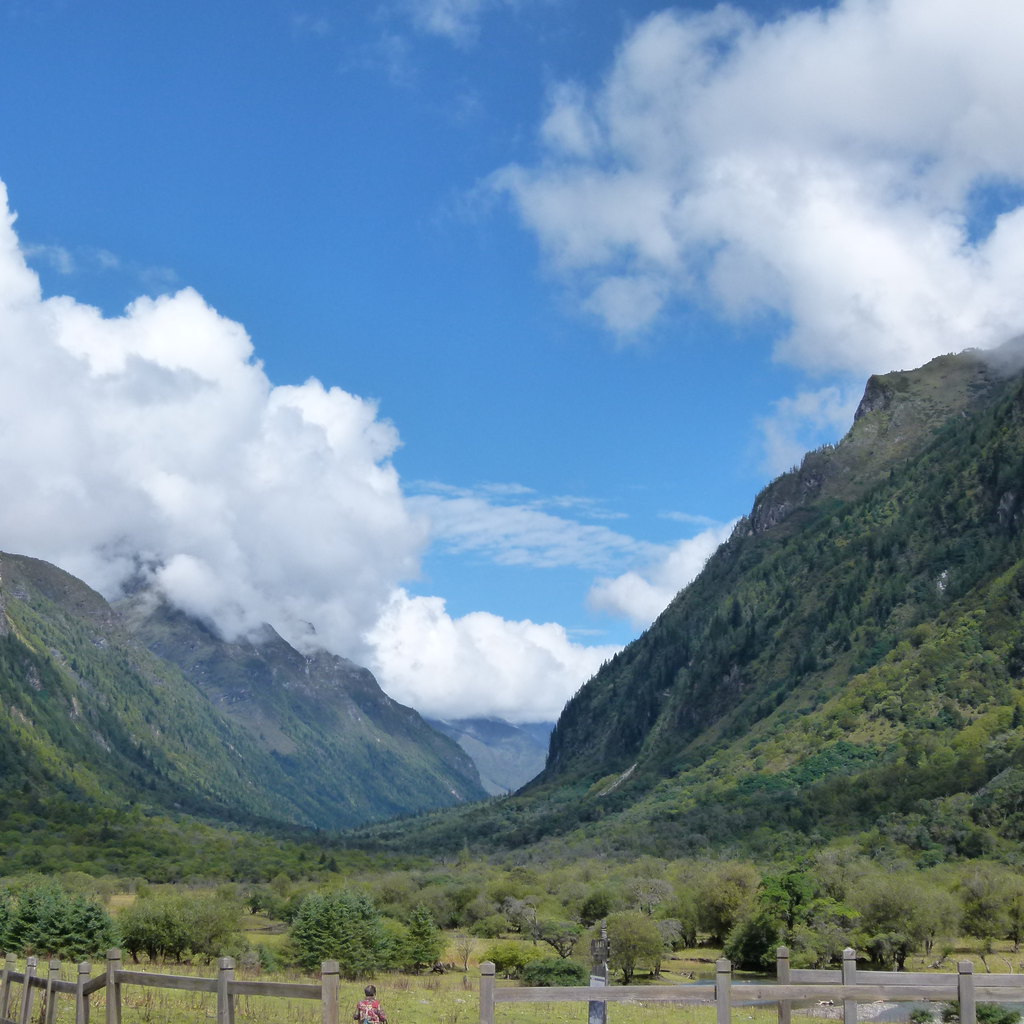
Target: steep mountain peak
(893, 538)
(898, 412)
(358, 752)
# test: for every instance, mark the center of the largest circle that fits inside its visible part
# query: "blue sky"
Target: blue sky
(453, 334)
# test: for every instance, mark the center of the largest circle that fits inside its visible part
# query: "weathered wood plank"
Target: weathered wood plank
(179, 982)
(281, 989)
(330, 992)
(68, 987)
(860, 992)
(623, 994)
(908, 978)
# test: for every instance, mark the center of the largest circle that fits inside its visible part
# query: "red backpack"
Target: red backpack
(369, 1011)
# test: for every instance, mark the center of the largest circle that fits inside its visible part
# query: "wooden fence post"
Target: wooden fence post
(225, 1000)
(487, 992)
(723, 991)
(113, 987)
(330, 982)
(81, 999)
(28, 993)
(50, 994)
(10, 965)
(849, 978)
(597, 1011)
(965, 991)
(782, 977)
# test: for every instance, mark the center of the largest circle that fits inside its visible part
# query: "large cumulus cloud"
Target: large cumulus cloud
(154, 443)
(154, 440)
(843, 168)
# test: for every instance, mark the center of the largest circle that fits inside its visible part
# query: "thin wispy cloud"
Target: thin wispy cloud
(312, 24)
(521, 534)
(828, 410)
(689, 518)
(56, 257)
(89, 260)
(456, 20)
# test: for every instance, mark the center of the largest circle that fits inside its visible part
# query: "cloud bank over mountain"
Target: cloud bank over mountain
(154, 443)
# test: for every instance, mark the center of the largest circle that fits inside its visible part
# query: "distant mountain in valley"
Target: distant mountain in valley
(506, 755)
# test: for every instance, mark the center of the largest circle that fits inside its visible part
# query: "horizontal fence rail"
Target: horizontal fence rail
(114, 978)
(848, 986)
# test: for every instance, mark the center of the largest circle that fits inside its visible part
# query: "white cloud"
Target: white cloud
(157, 435)
(156, 439)
(642, 596)
(456, 20)
(823, 166)
(523, 534)
(479, 664)
(55, 256)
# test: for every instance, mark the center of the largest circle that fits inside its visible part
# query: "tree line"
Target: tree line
(380, 917)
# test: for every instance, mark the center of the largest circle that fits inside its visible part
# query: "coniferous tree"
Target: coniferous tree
(424, 942)
(342, 926)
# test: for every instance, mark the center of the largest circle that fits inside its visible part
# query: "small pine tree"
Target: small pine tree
(424, 943)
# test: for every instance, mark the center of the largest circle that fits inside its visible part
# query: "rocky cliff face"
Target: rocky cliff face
(898, 412)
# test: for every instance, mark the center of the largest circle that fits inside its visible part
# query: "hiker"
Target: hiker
(368, 1009)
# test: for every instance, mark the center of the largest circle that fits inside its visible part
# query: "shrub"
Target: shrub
(634, 939)
(492, 927)
(555, 970)
(178, 925)
(986, 1013)
(510, 958)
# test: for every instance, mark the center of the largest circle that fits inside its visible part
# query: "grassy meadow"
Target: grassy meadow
(450, 998)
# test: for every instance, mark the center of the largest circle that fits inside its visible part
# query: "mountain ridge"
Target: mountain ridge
(848, 663)
(88, 707)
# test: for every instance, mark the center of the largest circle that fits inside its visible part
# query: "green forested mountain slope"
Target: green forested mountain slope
(850, 662)
(351, 752)
(88, 713)
(91, 718)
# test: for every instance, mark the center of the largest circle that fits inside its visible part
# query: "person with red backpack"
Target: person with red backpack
(368, 1010)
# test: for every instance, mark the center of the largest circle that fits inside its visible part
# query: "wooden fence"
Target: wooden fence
(114, 978)
(847, 985)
